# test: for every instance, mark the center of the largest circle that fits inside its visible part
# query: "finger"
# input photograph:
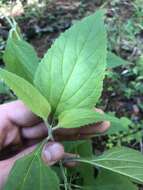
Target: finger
(13, 136)
(52, 153)
(96, 128)
(99, 127)
(40, 131)
(65, 134)
(94, 131)
(9, 134)
(3, 128)
(98, 110)
(82, 132)
(19, 114)
(2, 137)
(23, 153)
(67, 160)
(37, 131)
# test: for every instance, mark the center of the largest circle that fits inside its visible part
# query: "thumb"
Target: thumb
(52, 152)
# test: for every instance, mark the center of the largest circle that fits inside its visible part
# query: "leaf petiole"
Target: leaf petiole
(50, 130)
(12, 23)
(55, 128)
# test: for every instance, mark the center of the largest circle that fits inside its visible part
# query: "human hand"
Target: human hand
(18, 125)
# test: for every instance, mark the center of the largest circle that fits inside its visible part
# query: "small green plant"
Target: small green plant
(62, 88)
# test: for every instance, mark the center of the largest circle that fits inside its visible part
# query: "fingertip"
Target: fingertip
(68, 160)
(99, 110)
(104, 126)
(52, 152)
(37, 131)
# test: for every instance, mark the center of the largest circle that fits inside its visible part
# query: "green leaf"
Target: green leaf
(84, 150)
(27, 93)
(123, 126)
(115, 61)
(3, 88)
(80, 117)
(108, 180)
(125, 161)
(71, 73)
(31, 173)
(20, 57)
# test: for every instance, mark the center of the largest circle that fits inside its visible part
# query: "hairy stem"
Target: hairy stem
(64, 175)
(50, 137)
(50, 130)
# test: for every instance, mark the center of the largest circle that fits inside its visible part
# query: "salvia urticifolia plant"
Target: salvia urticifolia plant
(65, 85)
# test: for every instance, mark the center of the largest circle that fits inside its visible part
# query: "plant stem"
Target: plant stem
(76, 186)
(64, 176)
(9, 21)
(50, 131)
(12, 23)
(50, 137)
(55, 128)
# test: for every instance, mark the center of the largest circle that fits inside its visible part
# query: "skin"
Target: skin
(19, 126)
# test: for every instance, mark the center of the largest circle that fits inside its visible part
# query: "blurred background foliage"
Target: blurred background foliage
(42, 21)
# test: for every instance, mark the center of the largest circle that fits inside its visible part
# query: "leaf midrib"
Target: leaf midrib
(123, 160)
(28, 70)
(112, 169)
(74, 66)
(24, 180)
